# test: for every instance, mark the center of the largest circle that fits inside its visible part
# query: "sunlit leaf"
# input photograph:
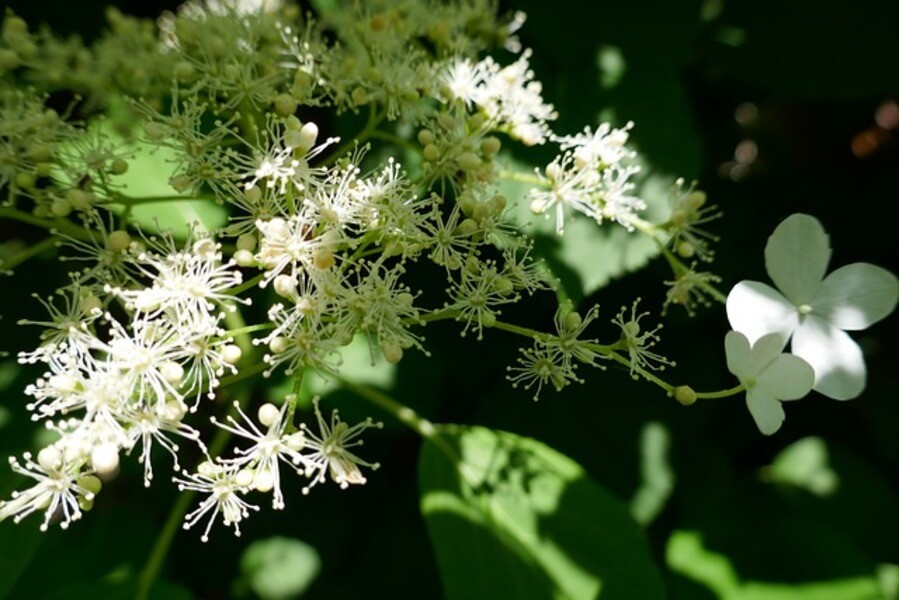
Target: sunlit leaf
(805, 464)
(279, 567)
(148, 176)
(359, 363)
(686, 554)
(658, 478)
(511, 517)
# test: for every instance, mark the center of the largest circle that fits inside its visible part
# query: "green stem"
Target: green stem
(249, 283)
(403, 414)
(529, 178)
(131, 201)
(374, 119)
(60, 225)
(249, 329)
(21, 257)
(244, 373)
(678, 268)
(293, 399)
(722, 393)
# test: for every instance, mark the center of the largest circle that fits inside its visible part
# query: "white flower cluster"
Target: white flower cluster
(122, 382)
(592, 176)
(315, 456)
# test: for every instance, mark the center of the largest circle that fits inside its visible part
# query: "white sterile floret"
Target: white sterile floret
(768, 376)
(814, 310)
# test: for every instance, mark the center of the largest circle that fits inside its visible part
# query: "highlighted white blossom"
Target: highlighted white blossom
(768, 376)
(592, 176)
(814, 310)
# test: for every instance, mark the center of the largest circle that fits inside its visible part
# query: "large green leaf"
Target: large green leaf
(148, 176)
(511, 517)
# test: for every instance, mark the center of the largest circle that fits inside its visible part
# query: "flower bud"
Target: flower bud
(231, 354)
(425, 137)
(49, 458)
(685, 395)
(244, 258)
(284, 105)
(119, 167)
(268, 414)
(468, 161)
(308, 136)
(278, 344)
(431, 153)
(491, 146)
(392, 352)
(118, 241)
(105, 458)
(285, 285)
(60, 207)
(171, 371)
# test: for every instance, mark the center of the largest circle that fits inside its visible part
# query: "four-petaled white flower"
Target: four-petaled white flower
(768, 376)
(816, 311)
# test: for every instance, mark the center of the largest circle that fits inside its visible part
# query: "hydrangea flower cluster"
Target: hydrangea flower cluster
(247, 103)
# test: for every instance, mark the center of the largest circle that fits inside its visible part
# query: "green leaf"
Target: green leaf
(805, 464)
(658, 478)
(279, 567)
(149, 170)
(148, 176)
(687, 556)
(18, 545)
(511, 517)
(356, 364)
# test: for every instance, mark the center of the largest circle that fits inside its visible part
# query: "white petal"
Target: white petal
(765, 410)
(856, 296)
(755, 309)
(764, 351)
(736, 349)
(788, 377)
(837, 360)
(796, 257)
